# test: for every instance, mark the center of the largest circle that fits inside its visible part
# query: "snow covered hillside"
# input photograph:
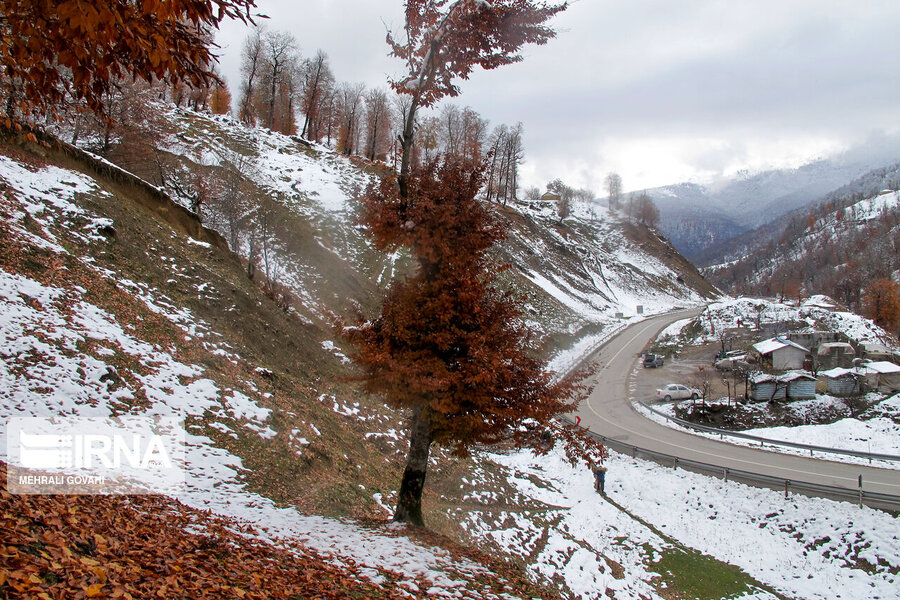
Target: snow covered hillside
(90, 328)
(836, 249)
(576, 275)
(105, 310)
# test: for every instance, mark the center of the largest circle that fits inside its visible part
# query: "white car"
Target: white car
(676, 391)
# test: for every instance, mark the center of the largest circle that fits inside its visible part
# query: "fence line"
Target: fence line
(858, 496)
(763, 441)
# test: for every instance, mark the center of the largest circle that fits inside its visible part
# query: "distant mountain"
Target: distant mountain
(836, 248)
(752, 243)
(701, 220)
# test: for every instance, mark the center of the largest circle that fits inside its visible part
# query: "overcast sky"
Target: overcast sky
(660, 91)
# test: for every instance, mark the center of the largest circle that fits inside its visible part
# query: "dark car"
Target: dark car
(651, 361)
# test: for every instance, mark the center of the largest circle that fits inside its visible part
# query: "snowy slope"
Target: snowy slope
(848, 241)
(804, 548)
(78, 339)
(577, 275)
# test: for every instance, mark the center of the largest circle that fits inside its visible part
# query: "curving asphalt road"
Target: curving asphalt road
(608, 411)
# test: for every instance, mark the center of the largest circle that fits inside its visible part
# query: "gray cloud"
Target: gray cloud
(691, 88)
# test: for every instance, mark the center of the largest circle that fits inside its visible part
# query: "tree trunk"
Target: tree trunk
(409, 500)
(406, 142)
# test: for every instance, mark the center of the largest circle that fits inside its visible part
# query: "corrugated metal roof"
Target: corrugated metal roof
(884, 367)
(776, 343)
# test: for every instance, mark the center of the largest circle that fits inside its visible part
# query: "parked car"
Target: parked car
(676, 391)
(651, 361)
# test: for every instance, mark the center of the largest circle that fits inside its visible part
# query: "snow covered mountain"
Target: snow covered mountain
(699, 220)
(836, 248)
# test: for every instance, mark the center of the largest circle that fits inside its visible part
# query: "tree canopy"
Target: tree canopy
(53, 52)
(449, 344)
(446, 40)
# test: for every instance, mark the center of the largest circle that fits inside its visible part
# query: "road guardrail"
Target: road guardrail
(766, 441)
(858, 496)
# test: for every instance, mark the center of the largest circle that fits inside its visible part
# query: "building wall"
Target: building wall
(843, 386)
(788, 358)
(801, 389)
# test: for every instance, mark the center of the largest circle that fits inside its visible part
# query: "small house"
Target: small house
(812, 338)
(548, 197)
(875, 352)
(842, 382)
(781, 354)
(798, 385)
(765, 387)
(835, 354)
(887, 376)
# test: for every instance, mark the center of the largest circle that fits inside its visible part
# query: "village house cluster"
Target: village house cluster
(795, 365)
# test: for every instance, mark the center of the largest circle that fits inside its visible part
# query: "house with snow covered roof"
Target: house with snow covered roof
(781, 354)
(886, 377)
(842, 382)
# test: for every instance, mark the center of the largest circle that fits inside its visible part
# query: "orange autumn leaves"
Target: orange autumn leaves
(447, 337)
(55, 52)
(70, 547)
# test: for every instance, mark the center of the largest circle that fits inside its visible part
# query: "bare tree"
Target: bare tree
(566, 196)
(532, 193)
(428, 138)
(563, 207)
(451, 129)
(614, 190)
(474, 129)
(378, 124)
(505, 154)
(251, 63)
(350, 100)
(280, 66)
(318, 79)
(642, 209)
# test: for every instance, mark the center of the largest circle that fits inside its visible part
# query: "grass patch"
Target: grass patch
(688, 574)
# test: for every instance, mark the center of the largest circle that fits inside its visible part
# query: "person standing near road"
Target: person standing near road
(599, 472)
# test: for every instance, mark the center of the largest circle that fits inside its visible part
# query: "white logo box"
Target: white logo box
(75, 455)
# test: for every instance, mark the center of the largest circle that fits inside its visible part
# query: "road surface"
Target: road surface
(608, 411)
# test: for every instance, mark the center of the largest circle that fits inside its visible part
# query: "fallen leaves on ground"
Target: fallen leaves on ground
(71, 547)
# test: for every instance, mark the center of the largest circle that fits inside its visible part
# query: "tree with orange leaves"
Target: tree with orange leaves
(449, 346)
(446, 40)
(881, 303)
(53, 52)
(220, 98)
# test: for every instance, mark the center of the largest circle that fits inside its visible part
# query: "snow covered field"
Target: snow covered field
(803, 547)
